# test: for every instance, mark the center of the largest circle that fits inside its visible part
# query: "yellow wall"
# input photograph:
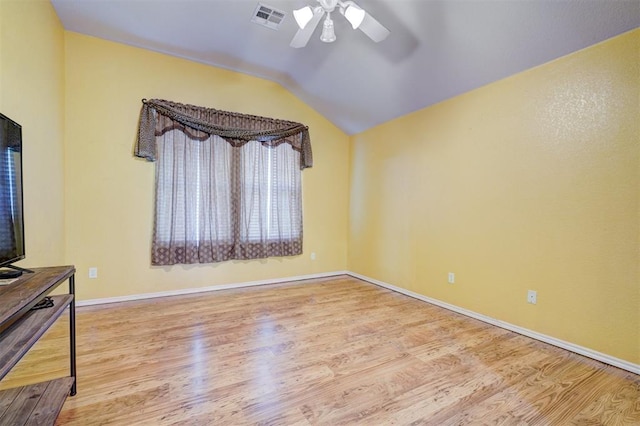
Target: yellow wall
(109, 193)
(32, 93)
(532, 182)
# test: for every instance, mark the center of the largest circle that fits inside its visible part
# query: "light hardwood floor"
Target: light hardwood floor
(331, 351)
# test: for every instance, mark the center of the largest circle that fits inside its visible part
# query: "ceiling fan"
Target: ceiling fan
(308, 19)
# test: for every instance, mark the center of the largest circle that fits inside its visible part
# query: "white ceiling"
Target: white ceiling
(437, 48)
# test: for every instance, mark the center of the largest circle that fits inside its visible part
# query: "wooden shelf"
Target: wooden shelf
(20, 296)
(37, 404)
(20, 329)
(18, 339)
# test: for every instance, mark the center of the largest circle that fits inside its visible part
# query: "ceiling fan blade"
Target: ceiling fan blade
(374, 29)
(303, 35)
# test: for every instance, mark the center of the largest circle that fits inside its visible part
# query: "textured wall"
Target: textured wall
(532, 182)
(109, 208)
(32, 93)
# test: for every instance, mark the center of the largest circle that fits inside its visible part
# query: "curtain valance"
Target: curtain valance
(158, 116)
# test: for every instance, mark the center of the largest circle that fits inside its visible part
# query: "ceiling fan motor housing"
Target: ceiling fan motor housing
(328, 5)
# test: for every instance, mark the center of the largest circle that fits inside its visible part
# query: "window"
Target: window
(216, 201)
(228, 185)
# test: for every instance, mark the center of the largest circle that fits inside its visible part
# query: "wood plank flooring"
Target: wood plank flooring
(322, 352)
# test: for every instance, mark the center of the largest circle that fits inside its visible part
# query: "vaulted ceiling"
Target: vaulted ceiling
(437, 48)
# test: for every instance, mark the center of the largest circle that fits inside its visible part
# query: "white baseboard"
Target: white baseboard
(598, 356)
(180, 292)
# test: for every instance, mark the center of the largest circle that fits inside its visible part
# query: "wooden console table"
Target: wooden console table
(20, 329)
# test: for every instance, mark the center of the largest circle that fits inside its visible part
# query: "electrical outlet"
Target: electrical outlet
(93, 272)
(451, 278)
(313, 256)
(532, 297)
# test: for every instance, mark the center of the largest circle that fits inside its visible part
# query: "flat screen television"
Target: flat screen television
(11, 211)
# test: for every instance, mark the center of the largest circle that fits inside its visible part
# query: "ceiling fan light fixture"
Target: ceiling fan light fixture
(303, 16)
(328, 34)
(354, 15)
(308, 19)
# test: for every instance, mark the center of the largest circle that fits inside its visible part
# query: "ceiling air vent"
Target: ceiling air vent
(267, 16)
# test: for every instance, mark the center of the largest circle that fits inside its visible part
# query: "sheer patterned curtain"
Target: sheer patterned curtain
(218, 201)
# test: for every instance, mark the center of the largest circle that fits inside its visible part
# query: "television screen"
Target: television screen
(11, 214)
